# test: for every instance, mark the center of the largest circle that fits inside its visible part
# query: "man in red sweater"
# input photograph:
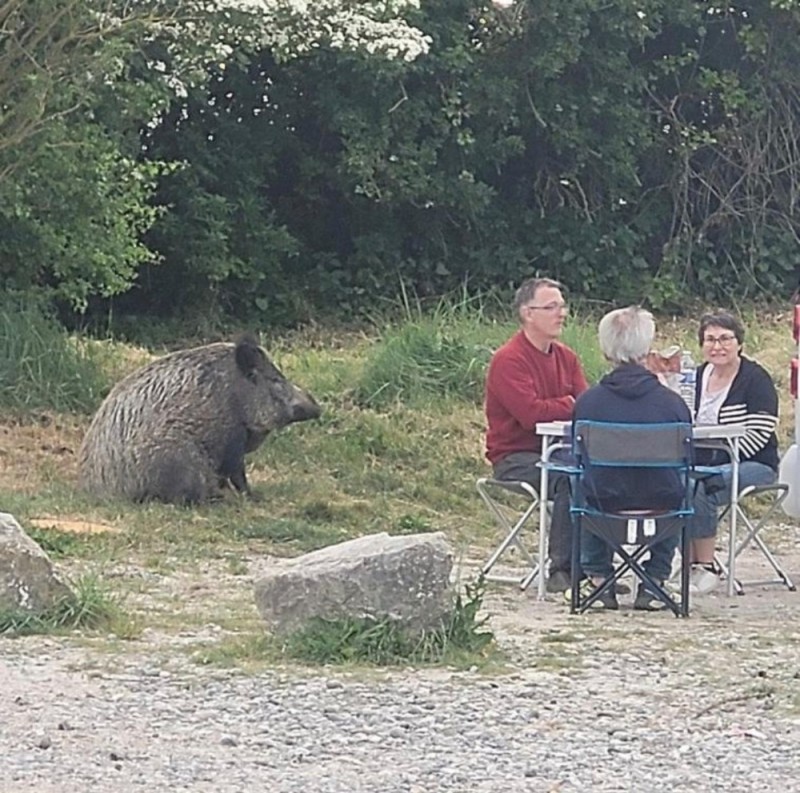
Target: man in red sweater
(534, 378)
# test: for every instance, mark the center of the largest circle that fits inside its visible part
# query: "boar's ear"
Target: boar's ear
(249, 356)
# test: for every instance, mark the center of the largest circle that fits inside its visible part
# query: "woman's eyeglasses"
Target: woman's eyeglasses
(725, 340)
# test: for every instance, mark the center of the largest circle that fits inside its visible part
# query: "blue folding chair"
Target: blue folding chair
(626, 518)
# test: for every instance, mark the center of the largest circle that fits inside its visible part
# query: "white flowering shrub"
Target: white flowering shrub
(293, 27)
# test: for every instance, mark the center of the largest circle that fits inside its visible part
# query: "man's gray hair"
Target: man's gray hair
(528, 289)
(626, 334)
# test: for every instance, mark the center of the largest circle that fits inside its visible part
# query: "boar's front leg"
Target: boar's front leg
(232, 465)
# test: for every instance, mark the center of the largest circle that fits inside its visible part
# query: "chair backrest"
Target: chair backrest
(626, 466)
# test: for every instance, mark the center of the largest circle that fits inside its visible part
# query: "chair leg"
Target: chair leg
(512, 533)
(575, 576)
(679, 610)
(776, 566)
(631, 561)
(738, 586)
(685, 567)
(753, 535)
(511, 538)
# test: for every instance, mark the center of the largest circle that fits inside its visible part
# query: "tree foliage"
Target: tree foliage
(74, 195)
(274, 159)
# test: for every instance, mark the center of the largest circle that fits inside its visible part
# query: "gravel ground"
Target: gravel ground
(602, 702)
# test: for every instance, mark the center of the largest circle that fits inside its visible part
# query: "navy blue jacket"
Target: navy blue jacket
(632, 394)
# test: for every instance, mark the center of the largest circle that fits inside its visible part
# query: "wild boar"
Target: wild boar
(178, 429)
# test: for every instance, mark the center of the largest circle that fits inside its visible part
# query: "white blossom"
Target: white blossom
(294, 27)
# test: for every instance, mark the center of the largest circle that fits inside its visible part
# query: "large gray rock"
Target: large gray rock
(406, 578)
(28, 581)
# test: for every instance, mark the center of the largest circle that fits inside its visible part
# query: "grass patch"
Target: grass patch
(462, 640)
(90, 607)
(297, 533)
(443, 353)
(422, 361)
(382, 642)
(558, 663)
(255, 650)
(562, 637)
(62, 544)
(427, 356)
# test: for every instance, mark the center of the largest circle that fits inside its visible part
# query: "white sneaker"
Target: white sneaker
(702, 581)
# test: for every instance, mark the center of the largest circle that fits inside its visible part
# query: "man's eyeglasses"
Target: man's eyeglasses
(550, 307)
(725, 340)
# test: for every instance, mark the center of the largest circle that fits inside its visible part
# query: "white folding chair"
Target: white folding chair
(514, 505)
(753, 526)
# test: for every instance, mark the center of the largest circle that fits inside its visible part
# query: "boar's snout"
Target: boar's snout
(304, 407)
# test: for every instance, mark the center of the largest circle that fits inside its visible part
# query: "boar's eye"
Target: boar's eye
(252, 376)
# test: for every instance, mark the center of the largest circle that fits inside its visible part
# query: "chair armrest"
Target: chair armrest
(560, 468)
(703, 471)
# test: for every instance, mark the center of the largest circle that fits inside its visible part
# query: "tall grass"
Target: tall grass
(444, 352)
(428, 354)
(581, 336)
(41, 366)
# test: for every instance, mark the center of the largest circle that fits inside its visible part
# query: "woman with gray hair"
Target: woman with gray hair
(629, 394)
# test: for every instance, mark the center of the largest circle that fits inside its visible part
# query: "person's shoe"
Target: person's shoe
(703, 580)
(606, 601)
(558, 581)
(647, 601)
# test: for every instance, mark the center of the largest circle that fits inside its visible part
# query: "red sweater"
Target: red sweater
(525, 386)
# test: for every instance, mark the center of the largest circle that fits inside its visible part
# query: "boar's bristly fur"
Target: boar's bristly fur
(177, 430)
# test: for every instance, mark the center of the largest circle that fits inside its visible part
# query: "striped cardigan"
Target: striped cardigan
(752, 401)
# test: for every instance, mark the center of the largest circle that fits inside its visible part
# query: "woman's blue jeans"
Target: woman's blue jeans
(706, 504)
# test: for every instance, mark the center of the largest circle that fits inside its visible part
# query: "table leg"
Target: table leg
(731, 588)
(543, 516)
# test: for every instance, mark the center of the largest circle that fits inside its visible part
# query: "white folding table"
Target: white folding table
(714, 436)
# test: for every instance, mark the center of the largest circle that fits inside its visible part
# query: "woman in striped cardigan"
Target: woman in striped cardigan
(731, 389)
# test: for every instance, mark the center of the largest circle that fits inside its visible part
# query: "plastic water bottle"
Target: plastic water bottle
(688, 378)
